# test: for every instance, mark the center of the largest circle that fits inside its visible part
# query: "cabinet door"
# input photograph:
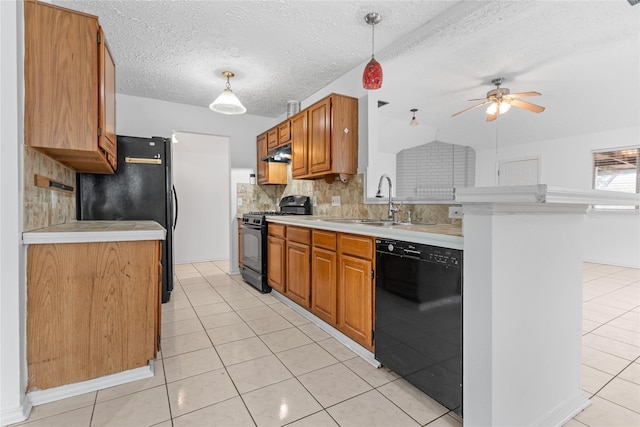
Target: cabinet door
(276, 263)
(61, 78)
(272, 138)
(298, 273)
(299, 145)
(323, 284)
(355, 293)
(261, 147)
(284, 132)
(107, 139)
(319, 122)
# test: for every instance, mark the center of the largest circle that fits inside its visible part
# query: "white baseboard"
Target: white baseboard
(38, 397)
(564, 412)
(365, 354)
(16, 415)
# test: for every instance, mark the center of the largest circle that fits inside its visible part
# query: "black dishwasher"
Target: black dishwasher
(418, 329)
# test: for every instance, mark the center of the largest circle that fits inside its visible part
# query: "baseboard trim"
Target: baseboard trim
(364, 354)
(17, 414)
(564, 412)
(39, 397)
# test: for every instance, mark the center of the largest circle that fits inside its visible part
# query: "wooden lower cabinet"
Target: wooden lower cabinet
(323, 285)
(276, 263)
(328, 273)
(298, 266)
(298, 274)
(355, 296)
(324, 266)
(93, 309)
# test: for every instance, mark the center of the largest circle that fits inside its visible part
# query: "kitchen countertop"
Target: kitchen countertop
(444, 235)
(95, 231)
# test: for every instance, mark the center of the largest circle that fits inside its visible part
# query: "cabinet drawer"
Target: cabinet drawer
(277, 230)
(298, 234)
(325, 239)
(359, 246)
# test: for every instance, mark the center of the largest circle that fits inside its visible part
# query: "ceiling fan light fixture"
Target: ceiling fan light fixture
(372, 75)
(413, 121)
(227, 102)
(500, 106)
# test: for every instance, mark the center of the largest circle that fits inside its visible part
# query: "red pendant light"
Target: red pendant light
(372, 75)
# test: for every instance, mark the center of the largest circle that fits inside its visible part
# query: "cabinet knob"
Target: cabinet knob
(346, 130)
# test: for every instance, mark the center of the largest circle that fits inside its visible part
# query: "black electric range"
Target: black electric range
(254, 239)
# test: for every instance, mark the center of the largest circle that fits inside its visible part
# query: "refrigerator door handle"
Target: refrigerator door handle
(175, 217)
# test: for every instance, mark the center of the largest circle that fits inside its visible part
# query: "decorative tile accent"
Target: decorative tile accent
(266, 197)
(38, 206)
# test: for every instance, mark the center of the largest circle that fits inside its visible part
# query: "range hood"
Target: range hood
(279, 155)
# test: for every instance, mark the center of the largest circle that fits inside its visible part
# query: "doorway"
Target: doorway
(518, 172)
(201, 169)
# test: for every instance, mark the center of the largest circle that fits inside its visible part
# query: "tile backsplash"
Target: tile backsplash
(44, 207)
(266, 197)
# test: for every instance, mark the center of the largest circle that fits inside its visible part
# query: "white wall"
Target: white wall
(610, 237)
(13, 405)
(144, 117)
(201, 177)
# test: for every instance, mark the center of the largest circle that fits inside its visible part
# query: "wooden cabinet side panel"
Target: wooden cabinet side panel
(89, 319)
(298, 273)
(276, 263)
(61, 78)
(355, 299)
(261, 150)
(319, 125)
(107, 139)
(324, 284)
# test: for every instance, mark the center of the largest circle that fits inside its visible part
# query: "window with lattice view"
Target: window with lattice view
(617, 170)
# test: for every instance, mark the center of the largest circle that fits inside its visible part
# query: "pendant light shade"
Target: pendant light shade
(227, 102)
(413, 121)
(372, 75)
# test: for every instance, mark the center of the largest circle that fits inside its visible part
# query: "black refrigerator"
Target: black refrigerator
(141, 189)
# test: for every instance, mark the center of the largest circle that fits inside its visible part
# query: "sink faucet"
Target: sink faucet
(392, 209)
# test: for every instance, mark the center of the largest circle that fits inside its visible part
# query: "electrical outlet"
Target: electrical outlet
(314, 200)
(335, 200)
(239, 201)
(455, 212)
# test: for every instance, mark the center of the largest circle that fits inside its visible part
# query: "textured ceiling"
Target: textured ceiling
(582, 56)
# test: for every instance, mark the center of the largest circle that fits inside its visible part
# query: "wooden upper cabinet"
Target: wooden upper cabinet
(69, 88)
(261, 148)
(333, 136)
(272, 138)
(268, 172)
(299, 145)
(284, 132)
(319, 125)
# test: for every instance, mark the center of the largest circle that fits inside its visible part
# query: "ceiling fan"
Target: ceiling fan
(500, 101)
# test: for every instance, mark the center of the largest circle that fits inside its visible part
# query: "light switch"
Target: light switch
(335, 200)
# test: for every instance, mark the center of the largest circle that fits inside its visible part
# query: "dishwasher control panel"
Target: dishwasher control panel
(435, 254)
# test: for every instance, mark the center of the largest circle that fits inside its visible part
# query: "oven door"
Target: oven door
(252, 241)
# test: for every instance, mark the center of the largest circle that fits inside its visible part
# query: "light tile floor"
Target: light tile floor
(234, 357)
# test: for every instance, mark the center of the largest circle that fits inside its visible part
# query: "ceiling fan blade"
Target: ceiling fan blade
(492, 117)
(523, 94)
(471, 108)
(527, 106)
(477, 99)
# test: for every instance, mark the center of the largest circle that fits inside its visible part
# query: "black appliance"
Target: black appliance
(140, 189)
(418, 313)
(254, 239)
